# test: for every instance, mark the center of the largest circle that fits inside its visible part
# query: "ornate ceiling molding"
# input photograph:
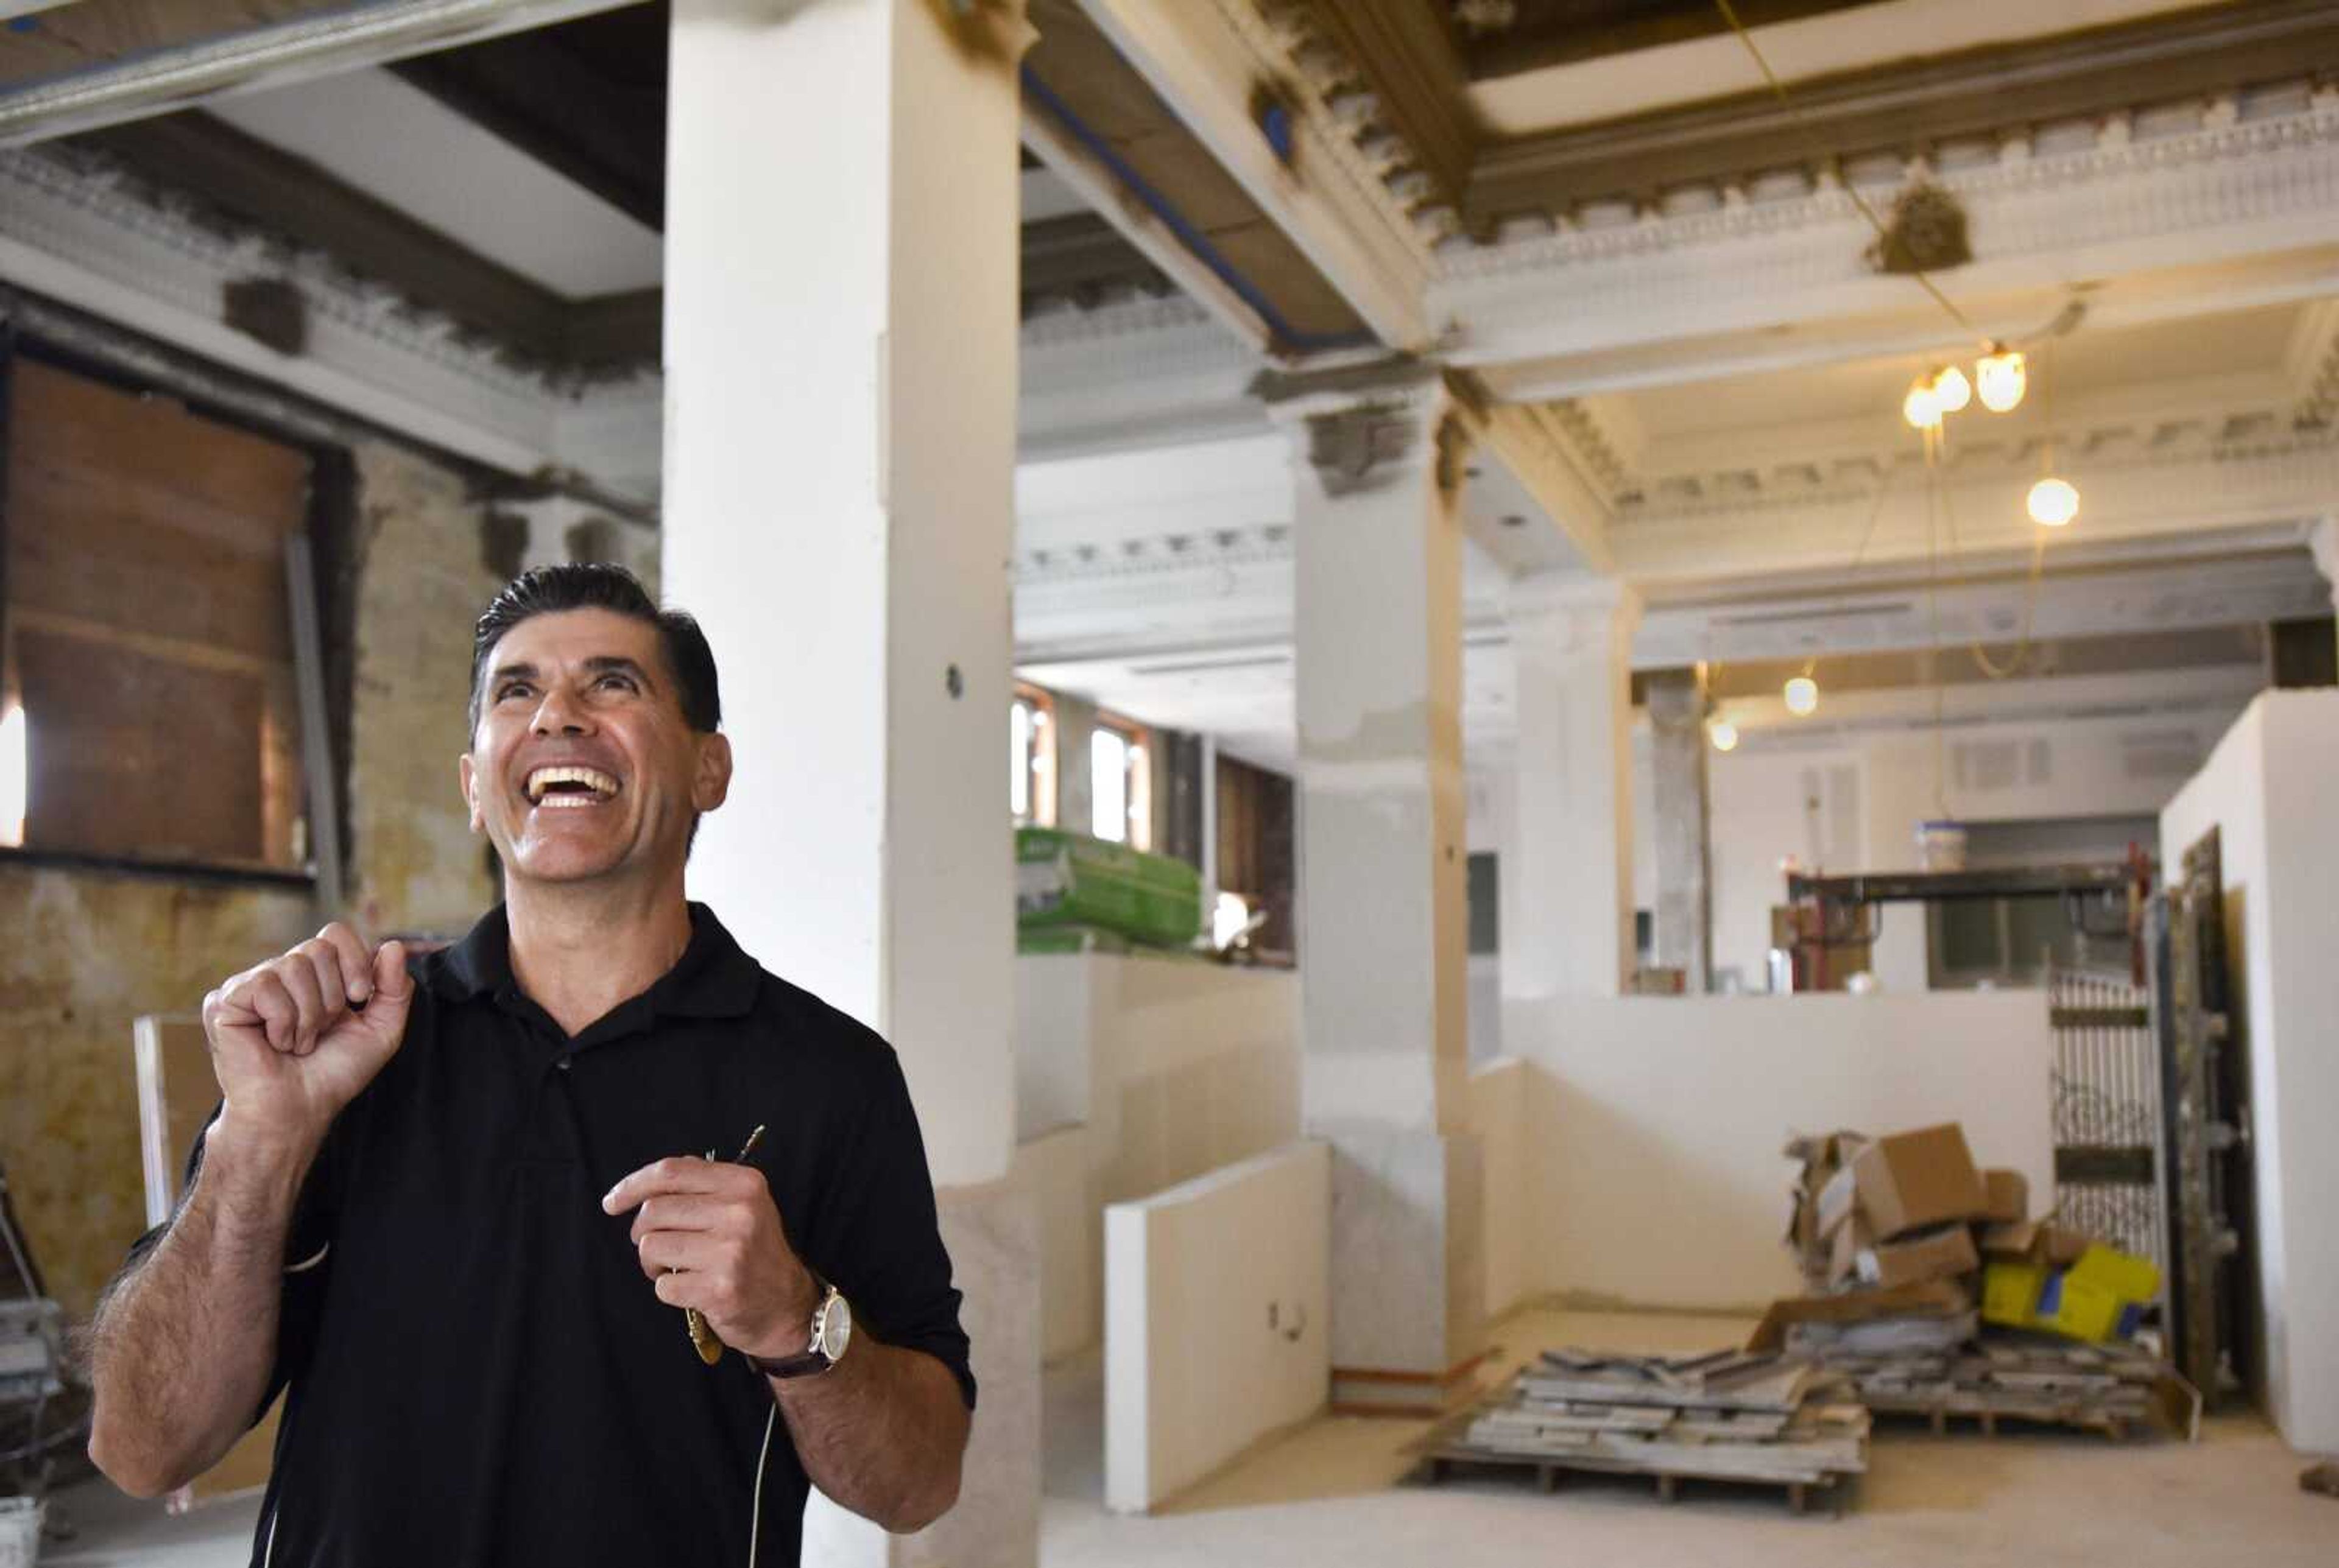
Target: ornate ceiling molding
(1733, 254)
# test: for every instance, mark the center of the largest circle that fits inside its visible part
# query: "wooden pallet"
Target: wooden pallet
(1441, 1464)
(1943, 1416)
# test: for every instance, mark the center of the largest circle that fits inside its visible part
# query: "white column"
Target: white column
(1683, 917)
(1567, 858)
(840, 337)
(1384, 959)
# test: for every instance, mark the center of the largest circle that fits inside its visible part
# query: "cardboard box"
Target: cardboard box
(1935, 1297)
(1912, 1179)
(1836, 1201)
(1851, 1241)
(2037, 1241)
(2009, 1196)
(1943, 1254)
(2010, 1292)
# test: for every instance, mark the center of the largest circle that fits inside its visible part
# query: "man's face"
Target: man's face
(582, 765)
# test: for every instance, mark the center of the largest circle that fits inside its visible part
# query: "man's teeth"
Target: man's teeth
(599, 787)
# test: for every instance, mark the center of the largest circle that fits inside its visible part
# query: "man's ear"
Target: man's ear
(469, 777)
(712, 784)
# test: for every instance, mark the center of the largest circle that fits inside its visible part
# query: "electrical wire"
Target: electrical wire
(1821, 152)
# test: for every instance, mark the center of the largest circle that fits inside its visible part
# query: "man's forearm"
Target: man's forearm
(181, 1344)
(881, 1432)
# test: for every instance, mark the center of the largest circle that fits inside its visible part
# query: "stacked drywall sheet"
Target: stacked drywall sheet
(1937, 1365)
(1725, 1416)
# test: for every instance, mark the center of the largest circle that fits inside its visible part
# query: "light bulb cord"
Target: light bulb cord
(1821, 154)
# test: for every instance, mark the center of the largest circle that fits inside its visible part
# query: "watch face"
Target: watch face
(835, 1329)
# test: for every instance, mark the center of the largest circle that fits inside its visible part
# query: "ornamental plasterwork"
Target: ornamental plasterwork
(1153, 554)
(2207, 440)
(84, 208)
(2063, 159)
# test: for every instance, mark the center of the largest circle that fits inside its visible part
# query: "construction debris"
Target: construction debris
(2107, 1388)
(1724, 1416)
(1935, 1292)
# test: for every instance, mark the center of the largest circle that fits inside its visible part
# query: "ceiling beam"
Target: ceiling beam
(1208, 62)
(1525, 442)
(1905, 108)
(250, 181)
(104, 62)
(527, 91)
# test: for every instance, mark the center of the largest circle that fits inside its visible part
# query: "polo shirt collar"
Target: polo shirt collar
(715, 977)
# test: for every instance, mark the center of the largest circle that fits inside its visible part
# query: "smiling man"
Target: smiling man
(585, 1240)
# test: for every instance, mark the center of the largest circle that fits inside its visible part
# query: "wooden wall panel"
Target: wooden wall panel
(148, 633)
(140, 756)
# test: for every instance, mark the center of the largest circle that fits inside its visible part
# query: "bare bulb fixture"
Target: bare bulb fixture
(1802, 695)
(1951, 390)
(1922, 407)
(2001, 378)
(2053, 503)
(1723, 733)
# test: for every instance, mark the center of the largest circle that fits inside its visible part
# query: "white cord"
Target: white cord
(755, 1520)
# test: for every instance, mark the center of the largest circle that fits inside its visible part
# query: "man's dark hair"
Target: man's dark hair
(548, 591)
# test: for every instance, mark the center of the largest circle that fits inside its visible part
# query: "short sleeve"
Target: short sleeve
(308, 1249)
(878, 1239)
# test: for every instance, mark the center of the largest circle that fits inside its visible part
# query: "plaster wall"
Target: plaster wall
(1654, 1124)
(1500, 1113)
(1133, 1074)
(2264, 789)
(1217, 1296)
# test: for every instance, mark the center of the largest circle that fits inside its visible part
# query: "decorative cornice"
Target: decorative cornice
(1348, 117)
(2204, 136)
(79, 205)
(2105, 446)
(1211, 550)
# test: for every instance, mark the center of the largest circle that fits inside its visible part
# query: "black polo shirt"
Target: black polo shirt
(476, 1369)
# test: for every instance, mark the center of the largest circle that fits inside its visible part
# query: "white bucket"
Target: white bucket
(1941, 845)
(20, 1531)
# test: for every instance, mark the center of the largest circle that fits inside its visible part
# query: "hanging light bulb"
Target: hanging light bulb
(2053, 502)
(1723, 733)
(1921, 408)
(1802, 695)
(1951, 390)
(2002, 378)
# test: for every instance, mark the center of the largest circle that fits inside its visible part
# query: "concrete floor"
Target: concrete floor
(1329, 1492)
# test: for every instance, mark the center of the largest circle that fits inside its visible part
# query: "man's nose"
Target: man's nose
(560, 713)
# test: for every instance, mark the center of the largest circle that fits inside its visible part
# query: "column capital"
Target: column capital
(1366, 425)
(996, 30)
(2322, 538)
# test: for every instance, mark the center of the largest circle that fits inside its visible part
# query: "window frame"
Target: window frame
(318, 798)
(1137, 780)
(1039, 757)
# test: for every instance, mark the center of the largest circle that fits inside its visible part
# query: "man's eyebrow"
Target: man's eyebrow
(512, 672)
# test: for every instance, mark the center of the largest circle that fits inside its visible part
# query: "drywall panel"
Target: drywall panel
(1216, 1302)
(1656, 1126)
(1499, 1109)
(2264, 788)
(1054, 1168)
(1171, 1068)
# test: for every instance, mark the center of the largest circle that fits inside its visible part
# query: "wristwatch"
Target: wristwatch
(831, 1331)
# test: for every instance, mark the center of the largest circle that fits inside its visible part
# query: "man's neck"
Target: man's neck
(577, 951)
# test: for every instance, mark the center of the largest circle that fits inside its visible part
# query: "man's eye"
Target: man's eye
(621, 683)
(511, 689)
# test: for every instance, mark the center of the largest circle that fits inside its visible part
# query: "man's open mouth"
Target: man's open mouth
(569, 786)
